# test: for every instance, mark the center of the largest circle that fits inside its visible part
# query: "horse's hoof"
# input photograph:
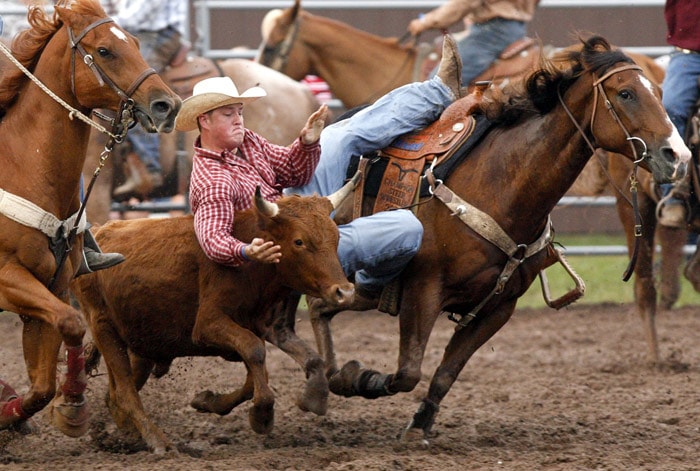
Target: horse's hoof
(315, 396)
(342, 382)
(70, 418)
(414, 435)
(262, 418)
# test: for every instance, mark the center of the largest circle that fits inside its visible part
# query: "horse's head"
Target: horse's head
(106, 67)
(280, 48)
(627, 116)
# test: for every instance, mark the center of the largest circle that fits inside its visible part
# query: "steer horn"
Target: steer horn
(264, 206)
(338, 197)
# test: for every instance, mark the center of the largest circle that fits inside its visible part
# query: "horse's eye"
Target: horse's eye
(298, 242)
(625, 94)
(104, 52)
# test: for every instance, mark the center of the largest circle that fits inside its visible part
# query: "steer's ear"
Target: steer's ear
(263, 206)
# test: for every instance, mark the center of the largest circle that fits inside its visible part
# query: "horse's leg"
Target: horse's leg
(415, 328)
(644, 287)
(315, 396)
(459, 350)
(52, 320)
(41, 344)
(321, 326)
(692, 269)
(219, 331)
(672, 241)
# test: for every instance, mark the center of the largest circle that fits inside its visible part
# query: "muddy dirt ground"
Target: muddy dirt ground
(553, 390)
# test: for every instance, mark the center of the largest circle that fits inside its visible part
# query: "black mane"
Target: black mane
(539, 92)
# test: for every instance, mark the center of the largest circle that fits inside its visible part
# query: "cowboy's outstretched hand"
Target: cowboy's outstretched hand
(314, 125)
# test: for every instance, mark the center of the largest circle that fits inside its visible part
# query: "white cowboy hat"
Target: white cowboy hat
(210, 94)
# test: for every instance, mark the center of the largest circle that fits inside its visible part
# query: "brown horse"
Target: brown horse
(79, 60)
(279, 118)
(360, 67)
(539, 142)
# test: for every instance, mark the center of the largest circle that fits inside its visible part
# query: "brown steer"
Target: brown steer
(168, 300)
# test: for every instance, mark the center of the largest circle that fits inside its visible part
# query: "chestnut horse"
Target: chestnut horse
(359, 67)
(513, 177)
(77, 60)
(279, 117)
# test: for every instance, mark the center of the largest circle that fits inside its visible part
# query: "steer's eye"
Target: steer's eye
(298, 242)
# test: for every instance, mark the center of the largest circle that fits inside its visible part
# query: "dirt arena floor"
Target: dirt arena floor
(568, 390)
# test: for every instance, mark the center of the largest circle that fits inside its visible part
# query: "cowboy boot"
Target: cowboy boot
(94, 259)
(450, 69)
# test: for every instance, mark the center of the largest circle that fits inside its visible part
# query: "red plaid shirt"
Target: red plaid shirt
(222, 184)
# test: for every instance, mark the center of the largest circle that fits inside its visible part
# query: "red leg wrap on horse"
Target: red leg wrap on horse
(13, 408)
(76, 380)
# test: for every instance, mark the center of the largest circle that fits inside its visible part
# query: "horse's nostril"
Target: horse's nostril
(161, 107)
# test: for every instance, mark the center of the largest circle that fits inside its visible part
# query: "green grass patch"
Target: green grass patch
(601, 273)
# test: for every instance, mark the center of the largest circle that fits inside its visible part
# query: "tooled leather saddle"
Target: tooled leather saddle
(394, 178)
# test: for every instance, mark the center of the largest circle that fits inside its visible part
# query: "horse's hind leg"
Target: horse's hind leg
(315, 396)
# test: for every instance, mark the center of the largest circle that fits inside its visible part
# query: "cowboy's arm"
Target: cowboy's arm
(443, 16)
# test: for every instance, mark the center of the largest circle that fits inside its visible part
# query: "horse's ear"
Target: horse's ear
(296, 8)
(65, 14)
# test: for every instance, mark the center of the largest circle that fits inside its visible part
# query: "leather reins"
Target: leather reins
(599, 91)
(120, 124)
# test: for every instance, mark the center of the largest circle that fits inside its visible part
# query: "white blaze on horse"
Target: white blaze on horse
(79, 60)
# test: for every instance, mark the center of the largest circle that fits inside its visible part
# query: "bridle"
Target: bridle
(634, 182)
(120, 124)
(280, 52)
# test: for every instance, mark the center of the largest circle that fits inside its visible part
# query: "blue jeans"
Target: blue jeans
(376, 248)
(484, 43)
(157, 48)
(680, 93)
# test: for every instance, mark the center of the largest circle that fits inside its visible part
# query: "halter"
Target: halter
(280, 52)
(99, 73)
(598, 90)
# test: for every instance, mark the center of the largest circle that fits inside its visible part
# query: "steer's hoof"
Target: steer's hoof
(262, 418)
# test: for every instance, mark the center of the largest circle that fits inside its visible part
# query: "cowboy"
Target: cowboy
(230, 161)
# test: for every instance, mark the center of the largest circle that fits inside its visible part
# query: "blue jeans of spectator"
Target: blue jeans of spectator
(157, 48)
(484, 43)
(376, 248)
(680, 92)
